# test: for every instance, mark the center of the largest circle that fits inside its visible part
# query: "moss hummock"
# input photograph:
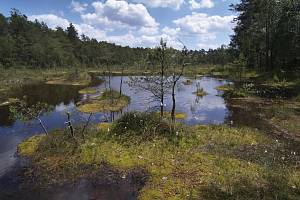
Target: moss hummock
(88, 91)
(178, 115)
(200, 93)
(109, 101)
(207, 162)
(30, 146)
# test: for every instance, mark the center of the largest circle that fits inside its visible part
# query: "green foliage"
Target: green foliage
(21, 110)
(34, 44)
(267, 33)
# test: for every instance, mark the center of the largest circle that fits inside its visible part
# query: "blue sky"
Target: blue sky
(197, 23)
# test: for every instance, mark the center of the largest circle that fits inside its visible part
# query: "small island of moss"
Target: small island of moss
(88, 91)
(109, 101)
(200, 92)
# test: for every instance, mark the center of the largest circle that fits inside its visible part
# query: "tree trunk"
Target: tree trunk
(121, 83)
(174, 102)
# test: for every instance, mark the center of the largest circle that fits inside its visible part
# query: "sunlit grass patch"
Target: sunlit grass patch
(88, 91)
(109, 101)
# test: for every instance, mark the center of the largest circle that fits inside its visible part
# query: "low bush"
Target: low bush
(148, 125)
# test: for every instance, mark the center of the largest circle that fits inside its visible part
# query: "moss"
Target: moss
(30, 146)
(200, 93)
(88, 91)
(224, 88)
(66, 82)
(178, 115)
(208, 162)
(109, 101)
(104, 126)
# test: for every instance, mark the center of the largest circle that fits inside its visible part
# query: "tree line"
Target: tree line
(34, 44)
(267, 34)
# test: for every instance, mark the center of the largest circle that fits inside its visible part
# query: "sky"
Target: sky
(198, 24)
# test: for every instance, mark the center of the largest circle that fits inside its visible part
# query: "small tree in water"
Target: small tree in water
(25, 112)
(157, 83)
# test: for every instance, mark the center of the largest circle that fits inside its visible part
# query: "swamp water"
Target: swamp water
(210, 109)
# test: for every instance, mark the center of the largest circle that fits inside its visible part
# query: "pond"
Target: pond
(210, 109)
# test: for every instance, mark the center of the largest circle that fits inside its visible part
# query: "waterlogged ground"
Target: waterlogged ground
(210, 109)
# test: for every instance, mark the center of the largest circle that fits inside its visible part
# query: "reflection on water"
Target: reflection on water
(206, 110)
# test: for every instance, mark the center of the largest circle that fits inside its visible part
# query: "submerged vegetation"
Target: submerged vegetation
(109, 101)
(210, 162)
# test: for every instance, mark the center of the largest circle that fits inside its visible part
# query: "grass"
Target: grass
(205, 162)
(109, 101)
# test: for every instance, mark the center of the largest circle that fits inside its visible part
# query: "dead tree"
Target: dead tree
(176, 77)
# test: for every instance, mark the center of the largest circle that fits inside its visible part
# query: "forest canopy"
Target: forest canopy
(34, 44)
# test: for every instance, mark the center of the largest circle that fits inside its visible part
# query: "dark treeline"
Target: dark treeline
(267, 34)
(33, 44)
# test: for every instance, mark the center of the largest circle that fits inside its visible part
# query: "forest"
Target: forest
(34, 45)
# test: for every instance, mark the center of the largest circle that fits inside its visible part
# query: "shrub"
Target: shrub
(146, 124)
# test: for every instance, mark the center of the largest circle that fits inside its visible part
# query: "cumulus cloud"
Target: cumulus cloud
(119, 14)
(194, 4)
(201, 23)
(130, 24)
(51, 20)
(175, 4)
(78, 7)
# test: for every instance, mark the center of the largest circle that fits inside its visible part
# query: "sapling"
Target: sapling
(25, 112)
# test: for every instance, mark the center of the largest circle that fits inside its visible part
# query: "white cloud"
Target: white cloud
(119, 14)
(194, 4)
(175, 4)
(51, 20)
(201, 23)
(171, 31)
(78, 7)
(54, 21)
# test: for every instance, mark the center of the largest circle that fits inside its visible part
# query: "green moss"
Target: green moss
(88, 91)
(104, 126)
(67, 82)
(109, 101)
(200, 93)
(30, 146)
(224, 88)
(208, 162)
(178, 115)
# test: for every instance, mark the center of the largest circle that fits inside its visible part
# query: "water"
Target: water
(210, 109)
